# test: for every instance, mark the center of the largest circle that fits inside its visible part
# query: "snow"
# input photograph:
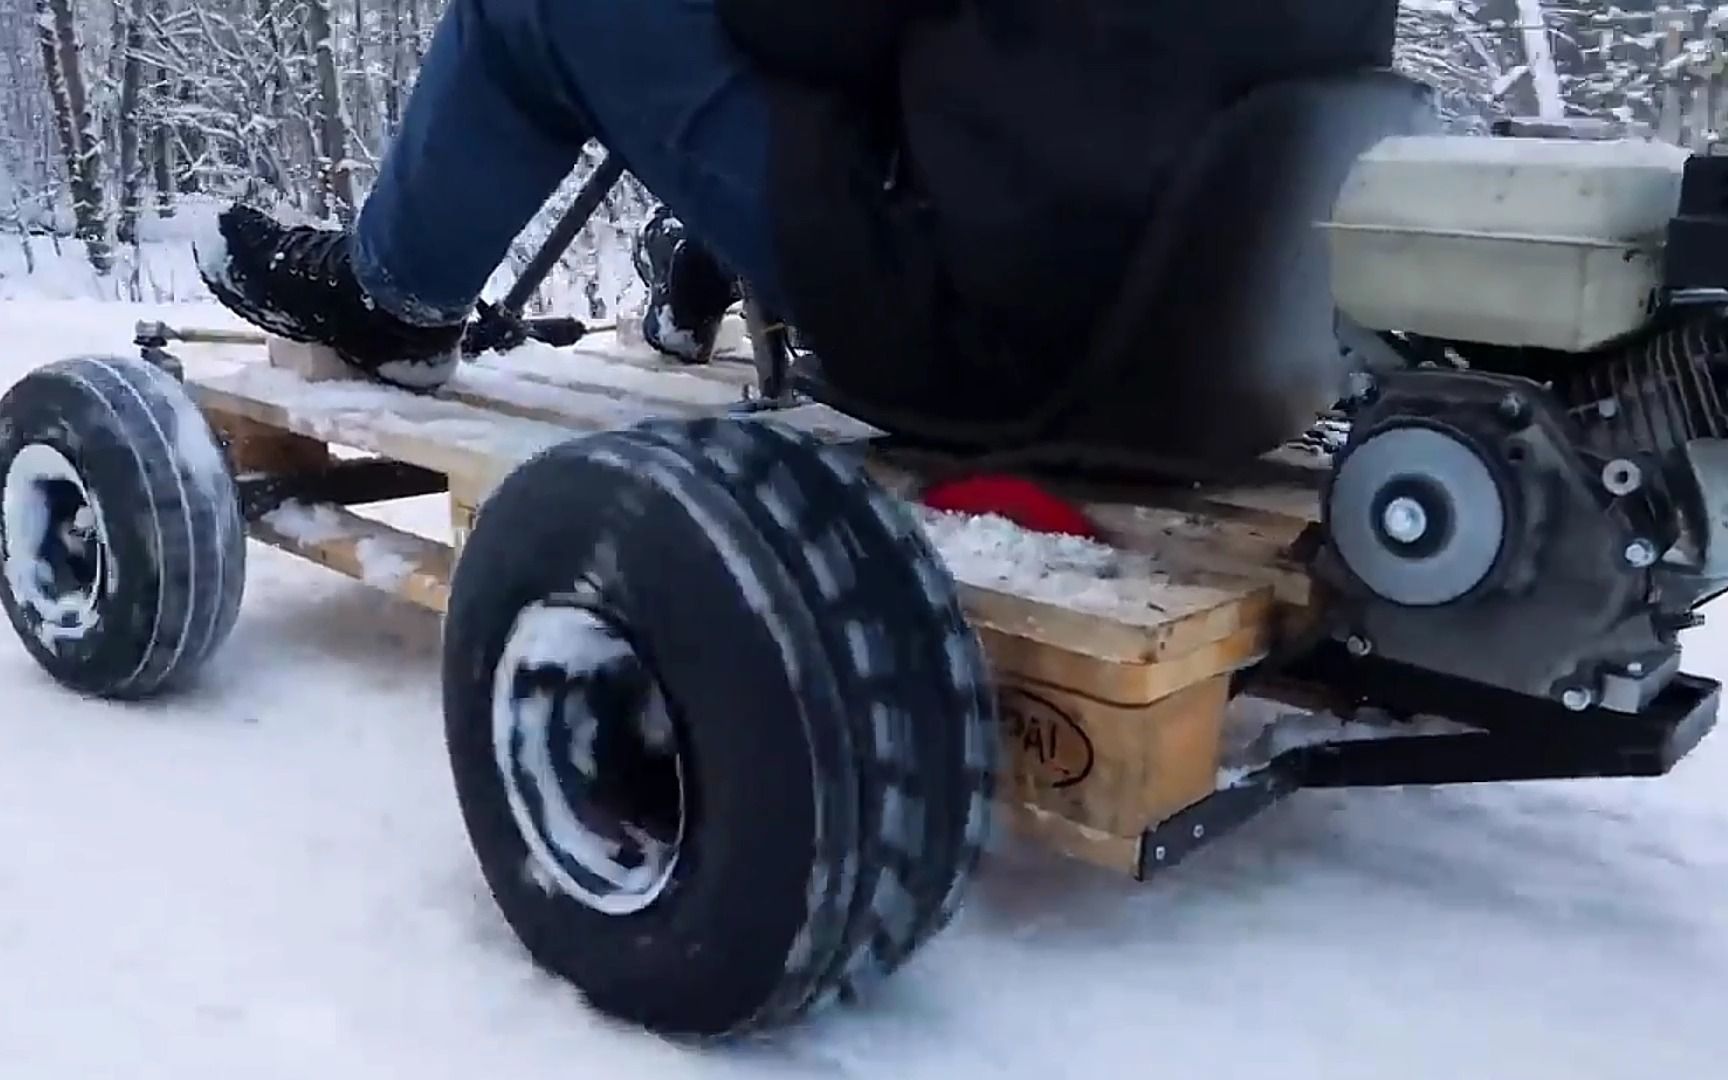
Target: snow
(266, 877)
(383, 565)
(195, 446)
(307, 524)
(580, 363)
(993, 553)
(1262, 730)
(210, 249)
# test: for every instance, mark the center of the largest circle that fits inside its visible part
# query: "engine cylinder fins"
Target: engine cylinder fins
(1654, 397)
(1417, 516)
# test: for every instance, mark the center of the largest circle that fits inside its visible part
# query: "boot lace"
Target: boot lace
(314, 254)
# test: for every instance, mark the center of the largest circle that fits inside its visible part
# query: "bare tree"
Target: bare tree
(1539, 60)
(335, 167)
(126, 123)
(62, 60)
(161, 141)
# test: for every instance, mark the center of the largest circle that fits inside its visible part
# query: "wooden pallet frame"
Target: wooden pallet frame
(1113, 724)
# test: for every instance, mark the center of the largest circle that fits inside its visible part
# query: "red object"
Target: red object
(1012, 497)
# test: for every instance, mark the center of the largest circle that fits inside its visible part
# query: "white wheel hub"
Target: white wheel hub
(57, 561)
(588, 756)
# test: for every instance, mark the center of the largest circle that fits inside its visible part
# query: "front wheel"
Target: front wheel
(124, 549)
(724, 744)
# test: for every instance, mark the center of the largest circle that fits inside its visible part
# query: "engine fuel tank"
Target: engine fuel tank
(1541, 242)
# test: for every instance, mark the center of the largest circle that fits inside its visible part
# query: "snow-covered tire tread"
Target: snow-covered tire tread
(864, 553)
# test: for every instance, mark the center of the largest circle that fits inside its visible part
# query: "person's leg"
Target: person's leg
(506, 97)
(509, 93)
(688, 290)
(489, 133)
(669, 91)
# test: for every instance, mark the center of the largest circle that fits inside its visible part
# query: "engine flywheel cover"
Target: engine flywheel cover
(1417, 516)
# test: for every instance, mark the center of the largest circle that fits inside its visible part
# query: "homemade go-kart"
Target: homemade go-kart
(728, 710)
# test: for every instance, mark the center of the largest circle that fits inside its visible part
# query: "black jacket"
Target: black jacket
(960, 184)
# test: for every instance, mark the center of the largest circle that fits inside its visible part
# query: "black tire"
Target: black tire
(156, 567)
(814, 854)
(878, 579)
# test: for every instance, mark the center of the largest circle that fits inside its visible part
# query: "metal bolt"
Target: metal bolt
(1640, 553)
(1635, 668)
(1358, 646)
(1199, 831)
(1680, 621)
(1405, 520)
(1361, 387)
(1577, 698)
(1622, 477)
(1158, 853)
(1512, 407)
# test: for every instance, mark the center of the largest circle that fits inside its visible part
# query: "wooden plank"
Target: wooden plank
(468, 444)
(639, 372)
(1188, 619)
(1062, 664)
(476, 448)
(1091, 600)
(1188, 541)
(260, 448)
(402, 563)
(1117, 769)
(1072, 839)
(1272, 505)
(569, 405)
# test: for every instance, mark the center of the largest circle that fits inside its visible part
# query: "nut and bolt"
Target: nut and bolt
(1199, 831)
(1622, 477)
(1158, 853)
(1577, 698)
(1513, 408)
(1404, 520)
(1362, 385)
(1358, 646)
(1640, 553)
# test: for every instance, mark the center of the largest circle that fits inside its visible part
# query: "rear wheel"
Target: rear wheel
(719, 765)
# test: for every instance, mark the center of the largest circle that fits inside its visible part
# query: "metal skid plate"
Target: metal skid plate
(1517, 738)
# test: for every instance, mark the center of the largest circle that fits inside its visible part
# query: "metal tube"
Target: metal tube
(587, 200)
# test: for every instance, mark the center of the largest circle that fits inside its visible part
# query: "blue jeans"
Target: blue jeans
(508, 94)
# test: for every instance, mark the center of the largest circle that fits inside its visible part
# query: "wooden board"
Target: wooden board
(1112, 693)
(413, 567)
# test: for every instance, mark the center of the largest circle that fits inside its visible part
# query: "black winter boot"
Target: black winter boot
(688, 290)
(298, 282)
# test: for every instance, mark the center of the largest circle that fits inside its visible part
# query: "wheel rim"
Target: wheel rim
(589, 757)
(57, 561)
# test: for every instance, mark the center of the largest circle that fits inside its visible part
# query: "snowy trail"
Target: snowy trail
(267, 878)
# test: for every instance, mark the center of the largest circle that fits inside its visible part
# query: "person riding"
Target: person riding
(941, 195)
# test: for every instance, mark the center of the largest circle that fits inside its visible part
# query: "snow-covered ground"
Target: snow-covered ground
(267, 877)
